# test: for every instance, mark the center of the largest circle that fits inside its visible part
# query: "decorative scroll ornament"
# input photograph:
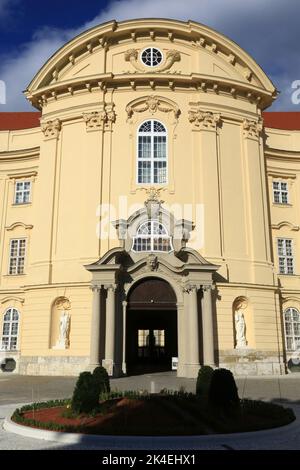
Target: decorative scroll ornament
(51, 129)
(152, 104)
(172, 56)
(100, 120)
(203, 119)
(252, 129)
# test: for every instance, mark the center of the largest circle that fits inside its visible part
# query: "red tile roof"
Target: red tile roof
(289, 121)
(17, 121)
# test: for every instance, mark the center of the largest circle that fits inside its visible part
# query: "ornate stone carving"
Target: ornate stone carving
(132, 56)
(100, 120)
(203, 120)
(152, 262)
(187, 288)
(153, 203)
(51, 129)
(152, 104)
(172, 56)
(252, 129)
(94, 120)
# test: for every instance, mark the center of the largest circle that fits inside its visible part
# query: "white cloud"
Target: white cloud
(266, 29)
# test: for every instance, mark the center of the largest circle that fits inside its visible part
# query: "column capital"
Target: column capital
(95, 288)
(111, 287)
(202, 119)
(187, 288)
(252, 129)
(51, 129)
(207, 287)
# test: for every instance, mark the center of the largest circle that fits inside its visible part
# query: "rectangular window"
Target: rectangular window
(17, 256)
(285, 256)
(280, 192)
(22, 192)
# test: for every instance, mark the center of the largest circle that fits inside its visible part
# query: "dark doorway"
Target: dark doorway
(151, 333)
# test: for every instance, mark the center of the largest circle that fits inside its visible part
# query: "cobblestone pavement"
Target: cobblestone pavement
(23, 389)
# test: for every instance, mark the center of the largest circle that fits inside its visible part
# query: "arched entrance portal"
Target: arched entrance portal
(151, 327)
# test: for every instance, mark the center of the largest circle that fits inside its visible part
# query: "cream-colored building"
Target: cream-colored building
(152, 214)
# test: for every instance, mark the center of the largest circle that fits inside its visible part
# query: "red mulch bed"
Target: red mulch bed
(124, 415)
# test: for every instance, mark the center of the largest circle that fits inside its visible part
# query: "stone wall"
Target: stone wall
(58, 365)
(252, 362)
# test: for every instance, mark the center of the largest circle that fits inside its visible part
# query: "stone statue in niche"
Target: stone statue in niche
(240, 328)
(64, 330)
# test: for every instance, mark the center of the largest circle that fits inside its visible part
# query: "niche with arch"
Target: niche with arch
(59, 307)
(243, 332)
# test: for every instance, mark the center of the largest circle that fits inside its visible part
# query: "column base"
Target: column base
(189, 371)
(113, 370)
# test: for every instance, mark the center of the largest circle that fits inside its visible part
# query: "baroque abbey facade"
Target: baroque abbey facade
(150, 209)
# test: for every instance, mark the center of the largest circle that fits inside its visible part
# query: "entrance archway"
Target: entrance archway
(151, 327)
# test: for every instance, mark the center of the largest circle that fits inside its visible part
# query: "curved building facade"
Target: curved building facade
(149, 220)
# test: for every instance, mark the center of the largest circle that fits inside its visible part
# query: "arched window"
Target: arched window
(152, 153)
(152, 236)
(10, 330)
(292, 329)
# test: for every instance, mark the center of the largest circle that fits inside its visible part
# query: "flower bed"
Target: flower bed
(175, 413)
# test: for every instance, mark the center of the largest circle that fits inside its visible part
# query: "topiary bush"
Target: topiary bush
(223, 392)
(86, 395)
(101, 379)
(203, 381)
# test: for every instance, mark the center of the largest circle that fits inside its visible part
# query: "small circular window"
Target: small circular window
(151, 57)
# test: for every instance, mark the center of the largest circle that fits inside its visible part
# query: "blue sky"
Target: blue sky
(31, 31)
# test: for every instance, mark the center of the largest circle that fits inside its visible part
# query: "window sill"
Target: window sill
(281, 204)
(22, 204)
(14, 275)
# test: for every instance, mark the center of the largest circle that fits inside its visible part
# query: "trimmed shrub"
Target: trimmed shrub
(85, 396)
(223, 391)
(203, 381)
(101, 379)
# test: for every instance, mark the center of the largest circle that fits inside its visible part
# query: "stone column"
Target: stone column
(110, 333)
(207, 327)
(95, 328)
(193, 347)
(124, 305)
(182, 339)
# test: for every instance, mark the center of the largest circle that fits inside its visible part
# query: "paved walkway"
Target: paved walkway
(21, 389)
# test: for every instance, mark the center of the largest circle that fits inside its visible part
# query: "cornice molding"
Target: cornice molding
(13, 298)
(23, 154)
(18, 224)
(294, 228)
(197, 82)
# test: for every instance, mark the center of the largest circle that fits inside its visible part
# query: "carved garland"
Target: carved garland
(152, 104)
